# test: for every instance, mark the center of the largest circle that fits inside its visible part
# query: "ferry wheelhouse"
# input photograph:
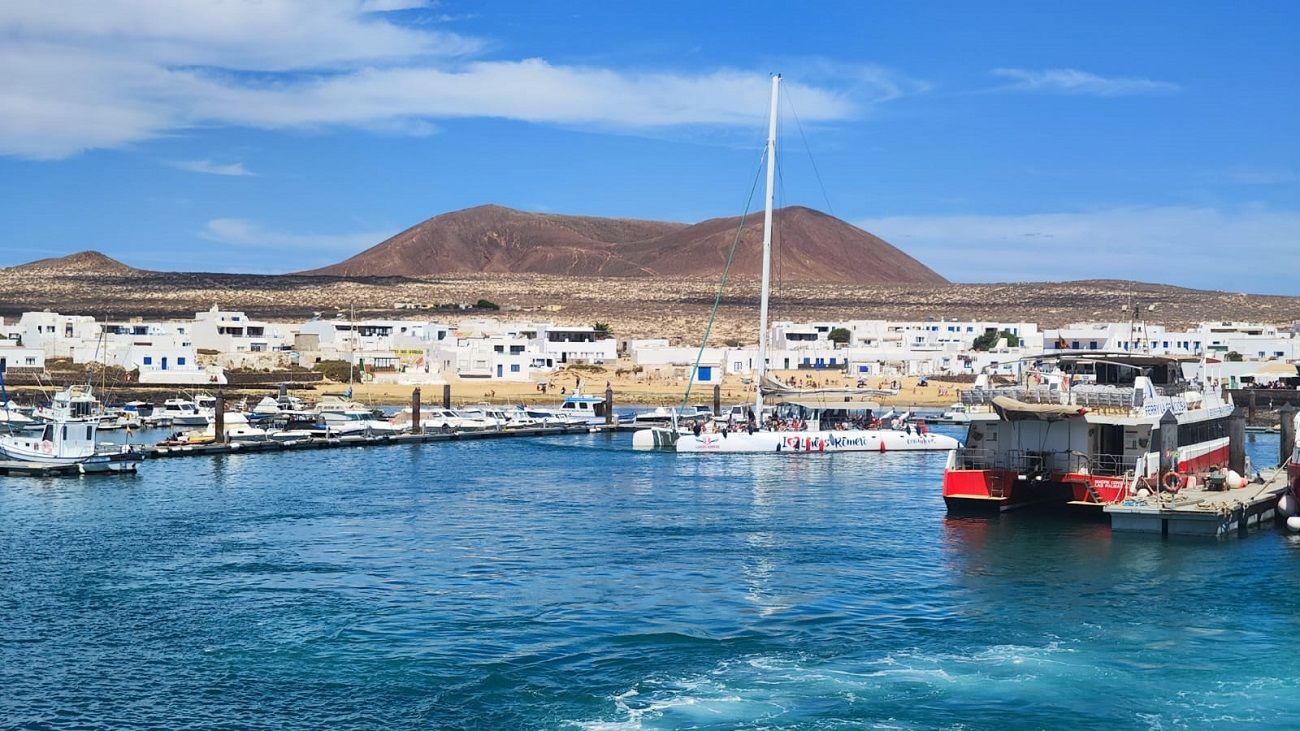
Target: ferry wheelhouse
(1090, 432)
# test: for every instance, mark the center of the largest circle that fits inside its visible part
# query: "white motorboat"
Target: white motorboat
(958, 413)
(182, 412)
(664, 415)
(493, 417)
(235, 428)
(12, 418)
(357, 422)
(70, 443)
(581, 409)
(206, 405)
(438, 419)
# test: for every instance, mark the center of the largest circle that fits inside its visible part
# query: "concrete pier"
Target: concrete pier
(1201, 512)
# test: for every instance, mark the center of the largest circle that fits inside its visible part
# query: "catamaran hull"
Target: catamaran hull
(867, 440)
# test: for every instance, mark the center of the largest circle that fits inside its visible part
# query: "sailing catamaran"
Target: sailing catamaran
(803, 421)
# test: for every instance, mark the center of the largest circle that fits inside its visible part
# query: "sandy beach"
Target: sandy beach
(635, 389)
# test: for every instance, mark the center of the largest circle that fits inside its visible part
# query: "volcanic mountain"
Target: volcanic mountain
(82, 262)
(809, 245)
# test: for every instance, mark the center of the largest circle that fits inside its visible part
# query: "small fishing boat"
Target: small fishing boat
(74, 403)
(70, 443)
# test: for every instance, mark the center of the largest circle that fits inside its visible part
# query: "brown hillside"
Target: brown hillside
(502, 240)
(82, 262)
(811, 246)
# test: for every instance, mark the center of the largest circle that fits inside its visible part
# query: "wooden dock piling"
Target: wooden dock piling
(717, 400)
(609, 406)
(1237, 441)
(219, 419)
(1286, 415)
(446, 395)
(415, 410)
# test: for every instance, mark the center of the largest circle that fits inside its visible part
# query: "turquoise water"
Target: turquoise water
(573, 583)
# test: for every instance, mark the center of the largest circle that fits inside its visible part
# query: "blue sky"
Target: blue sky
(1152, 141)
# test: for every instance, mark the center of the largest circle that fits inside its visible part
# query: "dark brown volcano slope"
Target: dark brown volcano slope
(502, 240)
(810, 246)
(82, 262)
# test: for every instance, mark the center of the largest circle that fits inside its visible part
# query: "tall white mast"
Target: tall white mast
(767, 253)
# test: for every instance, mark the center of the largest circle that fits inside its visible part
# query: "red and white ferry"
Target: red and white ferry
(1088, 432)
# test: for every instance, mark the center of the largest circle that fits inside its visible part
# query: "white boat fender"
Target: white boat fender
(1235, 480)
(1286, 505)
(1293, 524)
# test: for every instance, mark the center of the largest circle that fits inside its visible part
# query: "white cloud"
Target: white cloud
(1073, 81)
(1199, 247)
(387, 6)
(109, 73)
(242, 232)
(208, 167)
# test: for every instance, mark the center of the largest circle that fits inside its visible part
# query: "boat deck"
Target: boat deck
(1201, 512)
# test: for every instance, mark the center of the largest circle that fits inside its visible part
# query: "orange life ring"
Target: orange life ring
(1173, 481)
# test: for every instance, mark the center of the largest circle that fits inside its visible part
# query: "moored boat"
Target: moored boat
(70, 443)
(1093, 431)
(800, 421)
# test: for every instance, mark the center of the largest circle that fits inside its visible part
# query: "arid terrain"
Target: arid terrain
(635, 307)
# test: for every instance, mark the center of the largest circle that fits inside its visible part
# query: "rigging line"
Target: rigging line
(808, 148)
(779, 224)
(717, 298)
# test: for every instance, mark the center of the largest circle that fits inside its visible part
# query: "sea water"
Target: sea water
(571, 582)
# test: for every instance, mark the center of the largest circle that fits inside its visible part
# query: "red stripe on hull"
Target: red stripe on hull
(1205, 462)
(1104, 489)
(979, 490)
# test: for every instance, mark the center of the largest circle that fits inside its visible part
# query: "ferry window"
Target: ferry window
(88, 434)
(65, 432)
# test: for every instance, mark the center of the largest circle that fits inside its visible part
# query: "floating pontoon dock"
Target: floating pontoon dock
(1199, 512)
(209, 450)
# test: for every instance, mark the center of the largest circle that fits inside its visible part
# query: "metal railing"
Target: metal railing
(1027, 462)
(1088, 395)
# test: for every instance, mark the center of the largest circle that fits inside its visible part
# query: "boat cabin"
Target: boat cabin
(59, 441)
(583, 406)
(827, 414)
